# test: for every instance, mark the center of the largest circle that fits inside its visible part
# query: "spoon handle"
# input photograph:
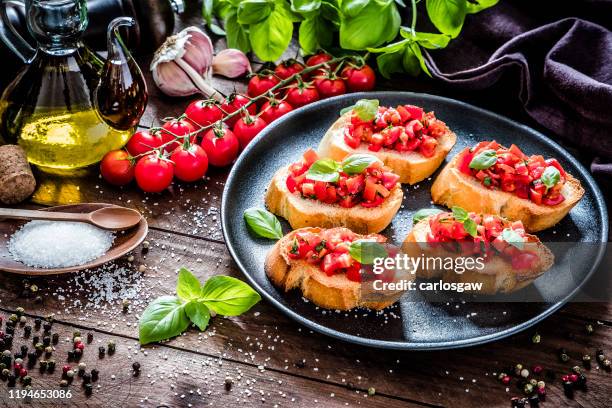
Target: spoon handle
(43, 215)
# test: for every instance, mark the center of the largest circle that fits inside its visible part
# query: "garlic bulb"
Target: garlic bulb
(182, 66)
(231, 63)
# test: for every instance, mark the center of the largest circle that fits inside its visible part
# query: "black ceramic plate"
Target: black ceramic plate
(407, 325)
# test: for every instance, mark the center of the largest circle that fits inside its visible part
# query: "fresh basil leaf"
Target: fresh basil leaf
(252, 11)
(324, 170)
(198, 313)
(215, 29)
(479, 5)
(410, 62)
(207, 11)
(187, 286)
(330, 12)
(263, 223)
(366, 251)
(460, 214)
(366, 109)
(419, 56)
(237, 36)
(305, 6)
(271, 36)
(351, 8)
(430, 40)
(346, 110)
(470, 227)
(228, 296)
(424, 213)
(357, 163)
(164, 318)
(393, 47)
(376, 23)
(315, 33)
(400, 3)
(550, 177)
(484, 160)
(447, 15)
(513, 238)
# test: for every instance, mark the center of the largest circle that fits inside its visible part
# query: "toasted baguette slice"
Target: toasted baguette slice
(453, 188)
(330, 292)
(412, 167)
(302, 212)
(498, 275)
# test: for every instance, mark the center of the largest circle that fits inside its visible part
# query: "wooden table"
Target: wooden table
(271, 360)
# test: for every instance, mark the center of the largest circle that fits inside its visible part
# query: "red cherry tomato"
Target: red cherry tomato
(203, 112)
(190, 163)
(142, 142)
(302, 94)
(247, 128)
(153, 174)
(317, 59)
(330, 86)
(260, 84)
(176, 127)
(234, 102)
(117, 168)
(287, 68)
(359, 79)
(273, 109)
(221, 146)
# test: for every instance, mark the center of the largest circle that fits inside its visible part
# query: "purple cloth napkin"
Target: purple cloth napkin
(559, 68)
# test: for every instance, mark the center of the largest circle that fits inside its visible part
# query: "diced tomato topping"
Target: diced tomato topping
(310, 156)
(515, 172)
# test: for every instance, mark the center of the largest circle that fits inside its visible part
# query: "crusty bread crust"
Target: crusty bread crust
(453, 188)
(302, 212)
(498, 275)
(330, 292)
(412, 167)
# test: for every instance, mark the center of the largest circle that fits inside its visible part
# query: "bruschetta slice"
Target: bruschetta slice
(359, 193)
(507, 258)
(492, 179)
(410, 141)
(317, 262)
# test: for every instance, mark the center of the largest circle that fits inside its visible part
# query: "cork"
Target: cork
(16, 179)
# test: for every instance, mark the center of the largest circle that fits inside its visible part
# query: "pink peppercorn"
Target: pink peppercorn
(573, 378)
(17, 367)
(79, 345)
(565, 378)
(66, 368)
(506, 379)
(537, 369)
(23, 372)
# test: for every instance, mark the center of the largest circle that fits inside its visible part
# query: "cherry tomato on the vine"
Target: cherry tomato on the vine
(330, 85)
(234, 102)
(274, 109)
(117, 168)
(359, 79)
(176, 127)
(260, 84)
(190, 162)
(142, 142)
(153, 173)
(317, 59)
(203, 112)
(221, 146)
(247, 128)
(301, 94)
(287, 68)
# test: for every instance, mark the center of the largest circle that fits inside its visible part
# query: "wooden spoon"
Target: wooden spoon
(113, 218)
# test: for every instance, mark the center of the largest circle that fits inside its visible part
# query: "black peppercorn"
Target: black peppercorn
(27, 330)
(47, 327)
(78, 353)
(88, 389)
(2, 344)
(35, 339)
(95, 374)
(581, 382)
(32, 358)
(43, 365)
(46, 340)
(11, 380)
(86, 378)
(534, 401)
(89, 337)
(101, 351)
(9, 329)
(50, 366)
(37, 323)
(599, 354)
(136, 366)
(568, 389)
(38, 299)
(24, 350)
(300, 364)
(8, 340)
(55, 338)
(586, 361)
(70, 355)
(517, 402)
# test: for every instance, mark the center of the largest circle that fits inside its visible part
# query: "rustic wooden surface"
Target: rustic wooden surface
(272, 360)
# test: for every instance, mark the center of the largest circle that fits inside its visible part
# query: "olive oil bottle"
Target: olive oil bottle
(68, 107)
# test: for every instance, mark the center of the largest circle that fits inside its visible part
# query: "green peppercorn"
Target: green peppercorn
(27, 380)
(19, 311)
(111, 347)
(13, 318)
(528, 388)
(576, 369)
(533, 382)
(23, 320)
(76, 333)
(589, 328)
(34, 288)
(125, 305)
(63, 383)
(564, 357)
(5, 372)
(517, 369)
(536, 338)
(371, 391)
(39, 347)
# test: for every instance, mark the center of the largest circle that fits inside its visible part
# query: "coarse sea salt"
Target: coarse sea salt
(58, 244)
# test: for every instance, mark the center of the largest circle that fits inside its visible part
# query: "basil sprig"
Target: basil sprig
(463, 217)
(169, 316)
(484, 160)
(424, 213)
(263, 223)
(328, 170)
(550, 177)
(513, 238)
(365, 109)
(366, 251)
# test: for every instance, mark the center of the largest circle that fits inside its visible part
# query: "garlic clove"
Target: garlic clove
(231, 63)
(182, 66)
